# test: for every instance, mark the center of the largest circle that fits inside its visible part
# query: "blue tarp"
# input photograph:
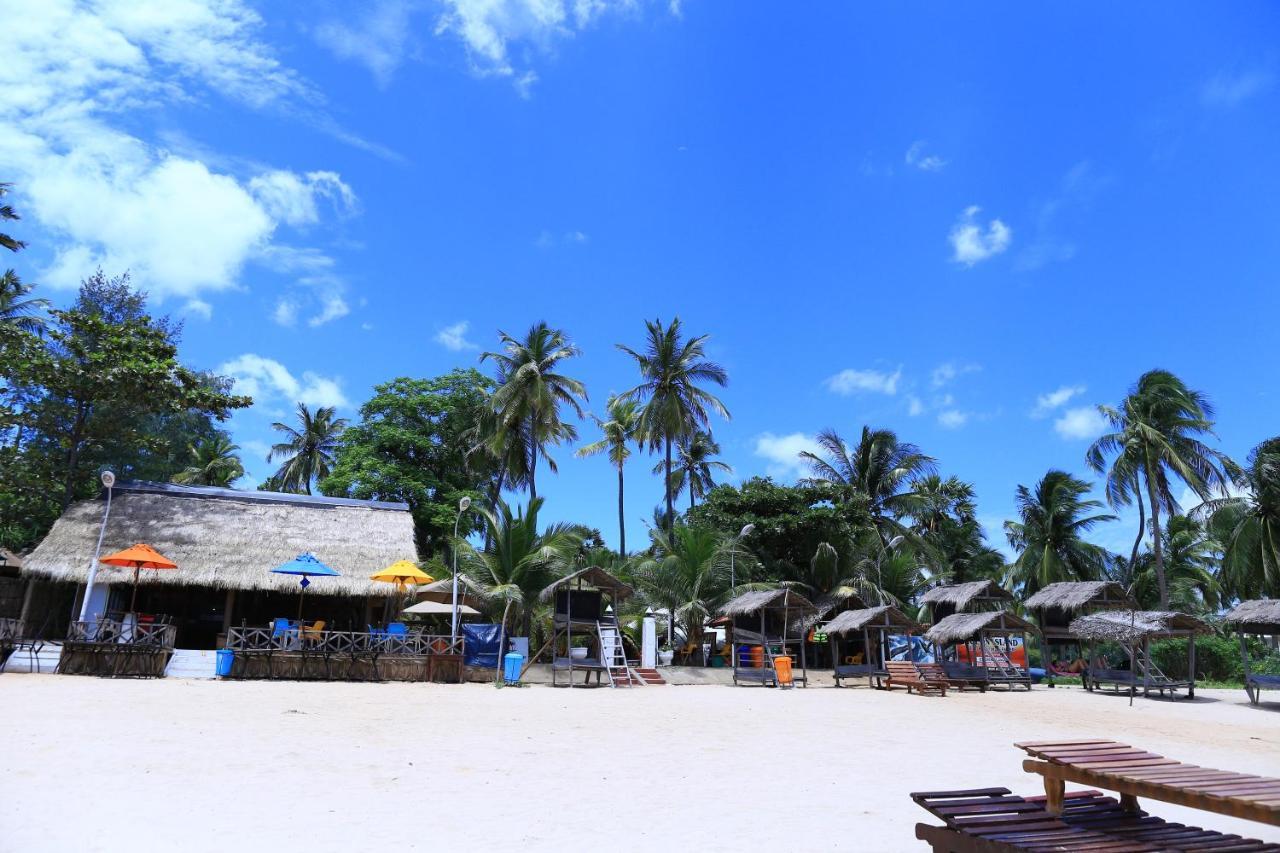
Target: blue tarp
(481, 647)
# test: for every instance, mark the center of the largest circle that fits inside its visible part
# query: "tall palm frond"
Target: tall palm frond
(308, 448)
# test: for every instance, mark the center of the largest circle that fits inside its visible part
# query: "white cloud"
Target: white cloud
(1231, 89)
(291, 198)
(783, 453)
(952, 418)
(852, 381)
(1046, 403)
(455, 337)
(915, 407)
(1074, 195)
(267, 380)
(199, 308)
(917, 157)
(381, 39)
(286, 313)
(970, 244)
(1084, 422)
(944, 373)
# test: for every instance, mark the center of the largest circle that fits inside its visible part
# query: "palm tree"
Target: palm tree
(881, 468)
(1190, 559)
(520, 561)
(688, 573)
(308, 449)
(945, 513)
(1055, 515)
(694, 466)
(1249, 526)
(530, 394)
(213, 463)
(15, 308)
(676, 405)
(8, 214)
(619, 431)
(1155, 436)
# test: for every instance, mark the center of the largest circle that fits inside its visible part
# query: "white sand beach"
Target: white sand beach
(90, 764)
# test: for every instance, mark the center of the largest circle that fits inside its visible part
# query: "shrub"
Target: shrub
(1217, 658)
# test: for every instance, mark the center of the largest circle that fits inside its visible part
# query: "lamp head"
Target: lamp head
(895, 541)
(108, 479)
(746, 530)
(464, 504)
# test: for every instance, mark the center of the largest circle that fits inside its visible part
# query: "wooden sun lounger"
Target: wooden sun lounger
(908, 675)
(1254, 684)
(1119, 678)
(869, 671)
(993, 819)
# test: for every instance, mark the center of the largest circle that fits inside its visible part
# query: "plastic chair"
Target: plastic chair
(314, 632)
(397, 629)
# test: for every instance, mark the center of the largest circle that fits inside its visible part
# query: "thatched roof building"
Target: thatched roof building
(1128, 626)
(593, 577)
(1260, 616)
(957, 598)
(965, 627)
(885, 616)
(753, 602)
(1073, 596)
(227, 539)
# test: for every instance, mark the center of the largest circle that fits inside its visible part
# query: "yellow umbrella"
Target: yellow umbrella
(402, 573)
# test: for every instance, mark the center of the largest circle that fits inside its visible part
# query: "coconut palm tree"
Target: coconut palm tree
(1191, 556)
(619, 432)
(308, 449)
(8, 214)
(1248, 526)
(694, 464)
(945, 514)
(673, 371)
(881, 468)
(687, 572)
(213, 463)
(520, 560)
(1155, 437)
(1049, 539)
(530, 394)
(17, 309)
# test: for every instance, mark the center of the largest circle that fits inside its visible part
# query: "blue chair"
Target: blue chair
(280, 627)
(377, 633)
(397, 629)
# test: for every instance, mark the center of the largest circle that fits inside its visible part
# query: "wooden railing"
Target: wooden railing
(122, 632)
(327, 643)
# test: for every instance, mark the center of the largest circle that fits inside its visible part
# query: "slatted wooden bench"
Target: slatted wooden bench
(908, 675)
(1134, 773)
(993, 819)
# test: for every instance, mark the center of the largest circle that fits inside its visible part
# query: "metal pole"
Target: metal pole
(463, 505)
(108, 480)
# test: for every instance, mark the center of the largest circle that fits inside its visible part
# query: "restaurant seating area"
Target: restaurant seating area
(131, 645)
(295, 649)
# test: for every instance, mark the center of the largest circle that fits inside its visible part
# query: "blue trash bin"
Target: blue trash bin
(511, 664)
(225, 659)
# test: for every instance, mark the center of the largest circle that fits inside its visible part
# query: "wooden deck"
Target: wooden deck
(344, 655)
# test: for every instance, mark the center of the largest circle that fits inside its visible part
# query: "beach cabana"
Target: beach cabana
(1134, 630)
(964, 598)
(986, 639)
(766, 624)
(585, 611)
(1260, 617)
(874, 625)
(1054, 606)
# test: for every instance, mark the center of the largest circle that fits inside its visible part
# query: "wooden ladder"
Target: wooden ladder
(614, 658)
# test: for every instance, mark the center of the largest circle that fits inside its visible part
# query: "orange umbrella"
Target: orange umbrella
(140, 556)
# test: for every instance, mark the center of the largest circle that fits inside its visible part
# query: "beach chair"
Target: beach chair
(908, 675)
(314, 632)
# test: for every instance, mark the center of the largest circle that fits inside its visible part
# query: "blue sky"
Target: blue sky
(969, 224)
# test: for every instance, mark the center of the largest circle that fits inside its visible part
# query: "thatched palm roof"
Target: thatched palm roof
(962, 627)
(961, 595)
(1130, 625)
(1071, 596)
(229, 539)
(754, 602)
(1261, 616)
(592, 576)
(851, 621)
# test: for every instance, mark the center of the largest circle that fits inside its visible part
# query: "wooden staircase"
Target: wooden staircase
(649, 676)
(622, 672)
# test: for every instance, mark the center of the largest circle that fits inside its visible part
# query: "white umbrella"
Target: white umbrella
(434, 608)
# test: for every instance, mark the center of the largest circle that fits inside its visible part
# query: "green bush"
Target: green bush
(1217, 658)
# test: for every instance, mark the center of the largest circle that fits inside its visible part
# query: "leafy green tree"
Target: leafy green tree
(530, 394)
(308, 449)
(213, 463)
(17, 306)
(8, 214)
(1191, 560)
(673, 371)
(1249, 527)
(694, 464)
(619, 433)
(411, 445)
(880, 468)
(687, 573)
(1156, 437)
(1050, 537)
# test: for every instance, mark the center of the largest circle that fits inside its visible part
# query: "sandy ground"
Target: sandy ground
(184, 765)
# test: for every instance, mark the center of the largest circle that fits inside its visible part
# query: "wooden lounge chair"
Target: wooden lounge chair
(1255, 683)
(992, 819)
(908, 675)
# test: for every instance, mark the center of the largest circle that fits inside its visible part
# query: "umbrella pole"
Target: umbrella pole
(133, 601)
(300, 596)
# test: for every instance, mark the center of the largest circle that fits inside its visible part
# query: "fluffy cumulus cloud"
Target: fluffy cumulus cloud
(1085, 422)
(783, 453)
(76, 72)
(454, 338)
(268, 381)
(1048, 403)
(970, 243)
(852, 381)
(918, 157)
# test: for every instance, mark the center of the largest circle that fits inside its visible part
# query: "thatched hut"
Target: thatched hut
(225, 543)
(1134, 630)
(586, 611)
(875, 625)
(976, 649)
(1260, 617)
(766, 625)
(964, 597)
(1057, 604)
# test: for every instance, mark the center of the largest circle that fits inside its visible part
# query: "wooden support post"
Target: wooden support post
(1054, 790)
(1191, 666)
(226, 610)
(1129, 803)
(31, 586)
(1244, 657)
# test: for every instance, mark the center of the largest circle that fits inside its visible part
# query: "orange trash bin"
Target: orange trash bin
(757, 657)
(782, 666)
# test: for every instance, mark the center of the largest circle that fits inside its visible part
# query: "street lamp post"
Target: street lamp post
(893, 543)
(108, 480)
(746, 531)
(463, 506)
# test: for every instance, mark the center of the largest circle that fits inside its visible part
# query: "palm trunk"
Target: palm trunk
(533, 471)
(671, 512)
(1156, 546)
(622, 519)
(1142, 523)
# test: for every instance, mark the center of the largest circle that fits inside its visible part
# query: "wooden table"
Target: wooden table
(1134, 773)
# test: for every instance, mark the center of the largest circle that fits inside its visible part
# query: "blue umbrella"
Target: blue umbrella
(308, 566)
